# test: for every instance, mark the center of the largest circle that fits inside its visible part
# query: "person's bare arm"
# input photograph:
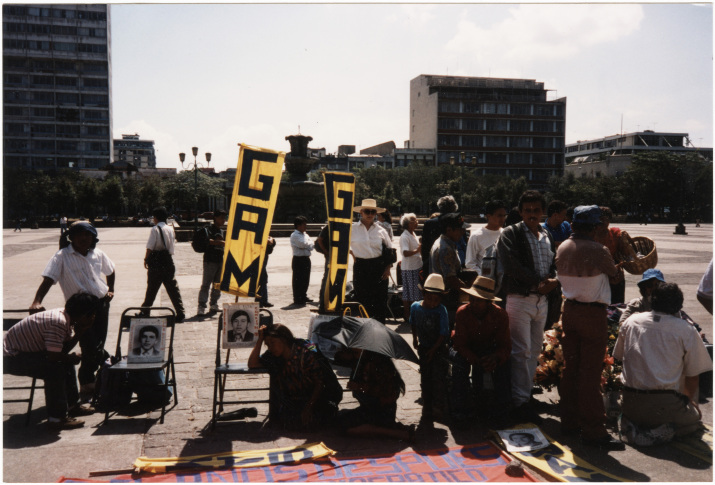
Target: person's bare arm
(45, 286)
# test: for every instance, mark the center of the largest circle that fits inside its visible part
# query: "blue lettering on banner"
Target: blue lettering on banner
(231, 269)
(244, 189)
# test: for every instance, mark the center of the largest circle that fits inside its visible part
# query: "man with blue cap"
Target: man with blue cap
(651, 278)
(80, 267)
(584, 268)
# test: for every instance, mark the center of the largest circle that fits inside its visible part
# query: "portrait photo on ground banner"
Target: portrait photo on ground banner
(146, 340)
(240, 325)
(526, 439)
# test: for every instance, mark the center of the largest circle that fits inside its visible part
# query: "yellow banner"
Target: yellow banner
(339, 197)
(253, 202)
(234, 459)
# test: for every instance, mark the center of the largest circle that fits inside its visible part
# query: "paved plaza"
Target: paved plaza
(35, 454)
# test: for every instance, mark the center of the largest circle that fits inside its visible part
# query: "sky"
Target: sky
(214, 76)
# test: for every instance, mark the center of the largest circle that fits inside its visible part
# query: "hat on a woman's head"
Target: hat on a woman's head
(434, 284)
(483, 288)
(369, 204)
(652, 274)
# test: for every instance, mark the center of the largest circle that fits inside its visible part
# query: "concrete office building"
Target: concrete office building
(612, 155)
(132, 149)
(497, 126)
(57, 86)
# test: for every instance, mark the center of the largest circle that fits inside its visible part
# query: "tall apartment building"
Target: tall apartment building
(132, 149)
(57, 109)
(497, 126)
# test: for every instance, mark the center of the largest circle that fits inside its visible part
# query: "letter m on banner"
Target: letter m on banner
(253, 202)
(339, 195)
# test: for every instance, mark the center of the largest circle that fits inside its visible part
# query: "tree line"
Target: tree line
(662, 185)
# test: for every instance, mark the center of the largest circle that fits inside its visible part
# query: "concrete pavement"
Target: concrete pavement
(34, 454)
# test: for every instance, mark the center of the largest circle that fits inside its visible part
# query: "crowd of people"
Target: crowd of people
(478, 305)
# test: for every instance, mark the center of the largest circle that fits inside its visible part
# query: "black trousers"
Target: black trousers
(156, 276)
(60, 380)
(92, 344)
(370, 289)
(301, 278)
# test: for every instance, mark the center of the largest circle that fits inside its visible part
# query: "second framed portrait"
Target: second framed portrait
(146, 338)
(240, 327)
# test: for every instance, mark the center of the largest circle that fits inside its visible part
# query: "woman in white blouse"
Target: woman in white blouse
(410, 248)
(371, 272)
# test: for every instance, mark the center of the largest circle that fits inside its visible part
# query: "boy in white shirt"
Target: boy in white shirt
(485, 236)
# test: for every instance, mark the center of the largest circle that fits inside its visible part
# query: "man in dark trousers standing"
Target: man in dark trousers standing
(302, 245)
(213, 261)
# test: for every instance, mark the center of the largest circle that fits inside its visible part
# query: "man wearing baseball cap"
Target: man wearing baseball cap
(584, 269)
(651, 278)
(481, 342)
(79, 267)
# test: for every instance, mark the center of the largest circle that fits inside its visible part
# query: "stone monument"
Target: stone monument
(298, 195)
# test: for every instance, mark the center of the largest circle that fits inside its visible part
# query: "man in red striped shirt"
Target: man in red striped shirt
(39, 346)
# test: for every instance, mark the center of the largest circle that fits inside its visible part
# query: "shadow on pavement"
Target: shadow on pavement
(17, 436)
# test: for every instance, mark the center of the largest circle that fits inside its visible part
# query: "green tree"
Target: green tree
(179, 190)
(111, 194)
(88, 197)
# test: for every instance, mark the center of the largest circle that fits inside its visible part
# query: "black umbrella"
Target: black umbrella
(367, 334)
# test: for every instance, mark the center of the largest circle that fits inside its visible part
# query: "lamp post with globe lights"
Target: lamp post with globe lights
(196, 165)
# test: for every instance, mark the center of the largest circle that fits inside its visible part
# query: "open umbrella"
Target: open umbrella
(366, 334)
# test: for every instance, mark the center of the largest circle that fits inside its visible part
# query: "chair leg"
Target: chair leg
(29, 403)
(213, 408)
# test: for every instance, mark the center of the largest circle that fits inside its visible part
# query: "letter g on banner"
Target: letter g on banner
(339, 197)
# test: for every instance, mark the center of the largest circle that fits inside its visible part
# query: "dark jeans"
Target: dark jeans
(370, 289)
(301, 278)
(263, 285)
(460, 398)
(432, 382)
(92, 345)
(60, 379)
(156, 276)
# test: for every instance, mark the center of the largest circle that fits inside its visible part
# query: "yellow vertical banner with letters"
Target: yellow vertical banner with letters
(253, 202)
(339, 197)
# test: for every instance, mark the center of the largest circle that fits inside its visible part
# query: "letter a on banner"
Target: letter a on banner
(253, 202)
(339, 196)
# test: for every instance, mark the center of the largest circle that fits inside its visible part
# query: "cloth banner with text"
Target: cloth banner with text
(253, 202)
(339, 197)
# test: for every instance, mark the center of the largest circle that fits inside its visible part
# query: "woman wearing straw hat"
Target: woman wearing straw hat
(371, 272)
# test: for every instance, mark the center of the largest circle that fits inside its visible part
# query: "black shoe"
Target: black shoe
(526, 414)
(80, 410)
(180, 318)
(267, 305)
(308, 300)
(606, 443)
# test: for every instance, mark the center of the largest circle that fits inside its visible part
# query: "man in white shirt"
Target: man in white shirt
(659, 350)
(485, 236)
(81, 267)
(302, 245)
(159, 263)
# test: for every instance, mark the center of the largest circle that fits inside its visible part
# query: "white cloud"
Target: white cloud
(537, 33)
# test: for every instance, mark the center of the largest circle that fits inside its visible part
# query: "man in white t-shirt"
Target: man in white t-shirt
(659, 351)
(485, 236)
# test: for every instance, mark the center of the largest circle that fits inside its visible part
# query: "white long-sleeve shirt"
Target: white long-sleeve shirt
(301, 243)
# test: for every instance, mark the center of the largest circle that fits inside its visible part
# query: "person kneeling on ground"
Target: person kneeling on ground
(307, 390)
(39, 345)
(481, 341)
(376, 384)
(658, 349)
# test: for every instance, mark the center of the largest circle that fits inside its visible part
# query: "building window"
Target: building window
(472, 124)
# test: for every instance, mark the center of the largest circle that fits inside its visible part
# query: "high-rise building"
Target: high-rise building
(132, 149)
(57, 109)
(495, 126)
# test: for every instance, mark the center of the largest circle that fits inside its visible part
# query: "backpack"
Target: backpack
(111, 389)
(492, 266)
(200, 241)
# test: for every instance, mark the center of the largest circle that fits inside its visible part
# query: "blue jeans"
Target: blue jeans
(212, 274)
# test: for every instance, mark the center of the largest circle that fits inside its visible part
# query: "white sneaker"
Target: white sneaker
(201, 310)
(214, 308)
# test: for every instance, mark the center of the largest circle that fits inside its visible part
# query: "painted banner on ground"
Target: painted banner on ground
(479, 462)
(255, 191)
(561, 464)
(339, 199)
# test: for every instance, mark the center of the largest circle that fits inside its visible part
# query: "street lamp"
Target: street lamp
(196, 165)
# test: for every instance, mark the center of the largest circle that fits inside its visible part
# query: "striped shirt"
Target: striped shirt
(540, 250)
(47, 330)
(76, 273)
(154, 243)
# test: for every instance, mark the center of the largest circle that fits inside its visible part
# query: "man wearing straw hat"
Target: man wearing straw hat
(481, 341)
(371, 271)
(584, 267)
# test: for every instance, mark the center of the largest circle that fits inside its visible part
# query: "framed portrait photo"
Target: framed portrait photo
(240, 327)
(146, 340)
